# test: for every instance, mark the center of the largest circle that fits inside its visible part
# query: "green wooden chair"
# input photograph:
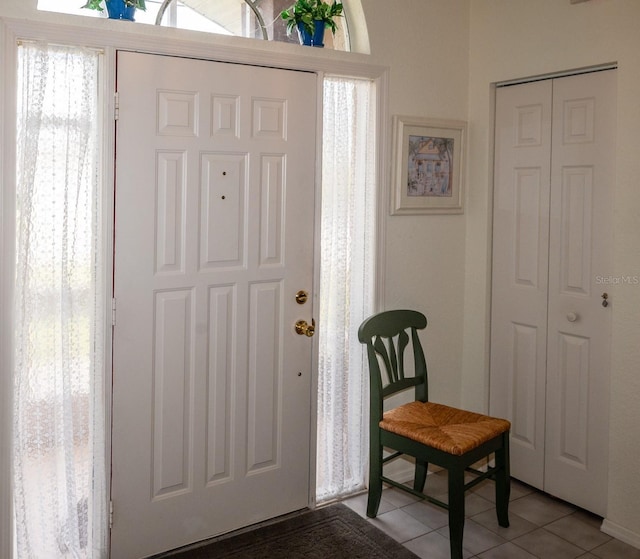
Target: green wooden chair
(448, 437)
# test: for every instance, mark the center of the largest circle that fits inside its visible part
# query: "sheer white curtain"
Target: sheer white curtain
(346, 284)
(59, 475)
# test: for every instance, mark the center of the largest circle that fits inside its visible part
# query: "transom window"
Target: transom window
(258, 19)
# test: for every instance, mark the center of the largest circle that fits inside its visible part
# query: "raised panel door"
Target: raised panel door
(582, 175)
(520, 272)
(214, 230)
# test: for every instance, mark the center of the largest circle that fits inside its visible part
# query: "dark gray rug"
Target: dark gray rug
(333, 532)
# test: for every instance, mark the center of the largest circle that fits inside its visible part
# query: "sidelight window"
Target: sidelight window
(347, 283)
(59, 482)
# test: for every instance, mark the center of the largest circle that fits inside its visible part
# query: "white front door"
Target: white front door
(550, 339)
(214, 230)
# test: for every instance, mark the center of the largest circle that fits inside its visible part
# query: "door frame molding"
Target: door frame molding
(562, 74)
(8, 104)
(208, 47)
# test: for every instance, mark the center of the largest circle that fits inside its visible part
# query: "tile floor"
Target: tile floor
(540, 526)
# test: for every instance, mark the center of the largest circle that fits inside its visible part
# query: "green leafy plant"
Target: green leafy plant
(97, 4)
(305, 12)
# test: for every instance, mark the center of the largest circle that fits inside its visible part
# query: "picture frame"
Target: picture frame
(428, 166)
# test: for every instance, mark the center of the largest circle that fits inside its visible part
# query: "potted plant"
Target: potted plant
(117, 9)
(311, 17)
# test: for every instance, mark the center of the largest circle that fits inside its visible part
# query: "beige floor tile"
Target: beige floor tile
(615, 549)
(474, 504)
(540, 509)
(506, 551)
(437, 483)
(547, 545)
(401, 526)
(517, 526)
(429, 514)
(398, 498)
(579, 529)
(487, 489)
(433, 546)
(476, 538)
(358, 504)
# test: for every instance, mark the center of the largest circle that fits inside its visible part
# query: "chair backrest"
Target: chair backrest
(387, 336)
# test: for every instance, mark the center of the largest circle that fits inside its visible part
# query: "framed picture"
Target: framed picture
(427, 166)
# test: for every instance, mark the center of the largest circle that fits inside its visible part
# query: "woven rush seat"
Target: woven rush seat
(448, 429)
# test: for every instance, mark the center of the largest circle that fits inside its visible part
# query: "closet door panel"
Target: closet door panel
(520, 271)
(579, 326)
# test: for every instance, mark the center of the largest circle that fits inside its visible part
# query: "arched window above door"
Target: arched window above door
(258, 19)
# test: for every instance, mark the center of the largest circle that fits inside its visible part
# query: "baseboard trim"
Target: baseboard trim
(621, 533)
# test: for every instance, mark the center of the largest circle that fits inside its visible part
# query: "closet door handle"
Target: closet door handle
(572, 317)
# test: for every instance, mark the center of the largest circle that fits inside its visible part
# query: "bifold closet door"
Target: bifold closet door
(555, 148)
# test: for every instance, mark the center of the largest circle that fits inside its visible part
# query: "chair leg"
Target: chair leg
(420, 476)
(456, 511)
(503, 482)
(375, 476)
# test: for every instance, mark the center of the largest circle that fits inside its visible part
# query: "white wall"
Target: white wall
(517, 38)
(425, 43)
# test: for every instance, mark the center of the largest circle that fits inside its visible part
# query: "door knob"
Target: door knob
(572, 317)
(304, 329)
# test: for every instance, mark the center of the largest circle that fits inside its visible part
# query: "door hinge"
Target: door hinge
(116, 106)
(110, 515)
(113, 311)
